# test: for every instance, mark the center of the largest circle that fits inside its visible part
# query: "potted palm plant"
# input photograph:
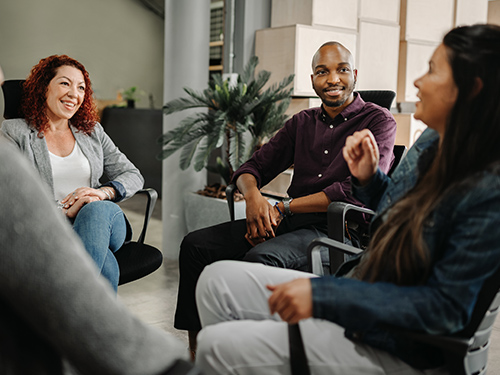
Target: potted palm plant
(240, 116)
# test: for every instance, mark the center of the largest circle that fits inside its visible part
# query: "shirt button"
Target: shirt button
(320, 175)
(331, 126)
(326, 151)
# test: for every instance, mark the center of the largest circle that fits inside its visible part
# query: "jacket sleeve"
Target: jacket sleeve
(123, 175)
(467, 240)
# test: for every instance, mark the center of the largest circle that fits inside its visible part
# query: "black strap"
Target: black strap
(298, 358)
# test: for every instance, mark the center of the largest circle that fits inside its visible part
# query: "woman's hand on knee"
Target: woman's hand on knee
(291, 300)
(72, 211)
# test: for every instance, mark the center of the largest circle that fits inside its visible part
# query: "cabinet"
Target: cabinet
(136, 132)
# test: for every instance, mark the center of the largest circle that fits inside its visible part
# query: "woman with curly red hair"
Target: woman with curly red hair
(61, 136)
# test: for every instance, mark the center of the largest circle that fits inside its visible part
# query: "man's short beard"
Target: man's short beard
(336, 103)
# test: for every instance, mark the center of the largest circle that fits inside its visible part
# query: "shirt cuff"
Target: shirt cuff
(119, 189)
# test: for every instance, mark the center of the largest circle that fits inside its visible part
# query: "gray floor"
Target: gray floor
(153, 298)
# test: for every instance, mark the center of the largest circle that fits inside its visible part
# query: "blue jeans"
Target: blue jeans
(102, 228)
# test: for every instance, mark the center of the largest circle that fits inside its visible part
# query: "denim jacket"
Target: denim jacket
(464, 246)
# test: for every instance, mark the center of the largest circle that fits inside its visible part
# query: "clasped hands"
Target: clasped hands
(262, 220)
(74, 201)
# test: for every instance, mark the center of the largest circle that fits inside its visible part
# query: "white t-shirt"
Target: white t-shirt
(69, 172)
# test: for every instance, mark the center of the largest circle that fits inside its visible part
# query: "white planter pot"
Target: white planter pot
(202, 211)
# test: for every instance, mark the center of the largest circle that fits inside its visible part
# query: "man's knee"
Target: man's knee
(214, 277)
(260, 254)
(190, 246)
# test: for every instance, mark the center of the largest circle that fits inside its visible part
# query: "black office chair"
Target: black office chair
(383, 98)
(135, 259)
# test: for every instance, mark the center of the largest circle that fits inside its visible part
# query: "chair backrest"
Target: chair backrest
(12, 93)
(383, 98)
(466, 352)
(399, 153)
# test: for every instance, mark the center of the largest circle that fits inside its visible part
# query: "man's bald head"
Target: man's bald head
(347, 54)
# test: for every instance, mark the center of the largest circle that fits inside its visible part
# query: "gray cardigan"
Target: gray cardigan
(98, 148)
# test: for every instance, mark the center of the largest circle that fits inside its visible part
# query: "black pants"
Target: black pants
(227, 242)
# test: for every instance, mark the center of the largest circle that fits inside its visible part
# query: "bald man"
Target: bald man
(311, 142)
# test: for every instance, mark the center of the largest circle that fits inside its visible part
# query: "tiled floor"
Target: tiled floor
(153, 298)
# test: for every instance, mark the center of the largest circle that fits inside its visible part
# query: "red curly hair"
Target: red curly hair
(34, 102)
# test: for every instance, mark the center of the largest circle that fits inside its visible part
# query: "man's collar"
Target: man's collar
(348, 112)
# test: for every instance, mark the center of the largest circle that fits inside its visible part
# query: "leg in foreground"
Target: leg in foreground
(240, 336)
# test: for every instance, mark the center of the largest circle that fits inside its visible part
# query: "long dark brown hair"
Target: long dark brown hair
(34, 101)
(397, 252)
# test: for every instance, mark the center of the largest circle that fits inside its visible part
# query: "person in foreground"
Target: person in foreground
(62, 138)
(57, 314)
(312, 142)
(435, 240)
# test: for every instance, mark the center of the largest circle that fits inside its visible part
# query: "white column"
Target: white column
(187, 37)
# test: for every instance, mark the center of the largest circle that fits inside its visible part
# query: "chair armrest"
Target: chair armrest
(152, 196)
(230, 190)
(333, 247)
(336, 214)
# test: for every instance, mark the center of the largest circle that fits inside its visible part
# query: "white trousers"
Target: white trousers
(240, 336)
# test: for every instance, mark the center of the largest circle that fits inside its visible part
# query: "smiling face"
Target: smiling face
(65, 93)
(437, 92)
(334, 77)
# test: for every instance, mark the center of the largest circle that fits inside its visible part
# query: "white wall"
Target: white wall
(120, 42)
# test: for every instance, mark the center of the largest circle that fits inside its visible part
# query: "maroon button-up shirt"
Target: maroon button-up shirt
(312, 142)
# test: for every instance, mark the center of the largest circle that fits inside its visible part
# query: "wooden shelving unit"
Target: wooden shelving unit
(216, 36)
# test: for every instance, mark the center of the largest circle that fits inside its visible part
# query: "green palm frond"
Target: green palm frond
(187, 153)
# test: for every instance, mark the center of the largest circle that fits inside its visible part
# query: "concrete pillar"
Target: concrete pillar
(187, 37)
(249, 16)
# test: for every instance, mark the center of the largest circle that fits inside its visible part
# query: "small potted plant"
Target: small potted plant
(132, 95)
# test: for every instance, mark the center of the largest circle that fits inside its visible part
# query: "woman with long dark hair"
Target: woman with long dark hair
(60, 135)
(435, 240)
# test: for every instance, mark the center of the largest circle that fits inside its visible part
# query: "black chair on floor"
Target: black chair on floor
(135, 258)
